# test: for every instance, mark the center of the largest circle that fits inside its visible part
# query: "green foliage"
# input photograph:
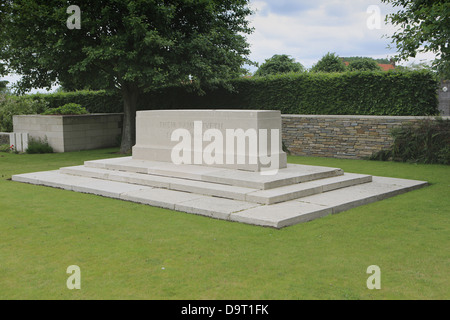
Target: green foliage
(144, 43)
(443, 70)
(94, 101)
(408, 93)
(350, 59)
(67, 109)
(127, 46)
(5, 148)
(39, 146)
(424, 27)
(329, 63)
(3, 86)
(358, 93)
(363, 64)
(427, 142)
(17, 105)
(279, 64)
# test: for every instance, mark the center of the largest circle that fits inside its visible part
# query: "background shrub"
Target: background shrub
(94, 101)
(14, 105)
(279, 64)
(363, 64)
(38, 146)
(329, 63)
(5, 148)
(427, 142)
(67, 109)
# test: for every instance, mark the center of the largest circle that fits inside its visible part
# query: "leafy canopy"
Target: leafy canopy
(329, 63)
(148, 43)
(424, 27)
(363, 64)
(128, 45)
(279, 64)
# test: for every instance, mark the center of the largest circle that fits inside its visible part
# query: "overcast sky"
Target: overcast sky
(308, 29)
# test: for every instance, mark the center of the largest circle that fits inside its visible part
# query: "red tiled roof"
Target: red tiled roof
(384, 67)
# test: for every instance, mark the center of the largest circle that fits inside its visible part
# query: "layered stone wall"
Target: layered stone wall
(348, 137)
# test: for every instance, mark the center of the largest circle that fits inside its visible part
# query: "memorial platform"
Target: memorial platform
(232, 168)
(297, 193)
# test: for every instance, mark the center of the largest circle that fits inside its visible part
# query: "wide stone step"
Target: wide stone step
(300, 190)
(150, 180)
(294, 173)
(269, 196)
(322, 204)
(276, 215)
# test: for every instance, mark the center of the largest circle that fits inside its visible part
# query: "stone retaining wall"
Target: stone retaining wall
(347, 137)
(72, 133)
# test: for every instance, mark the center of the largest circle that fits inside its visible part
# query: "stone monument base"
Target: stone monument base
(295, 194)
(248, 140)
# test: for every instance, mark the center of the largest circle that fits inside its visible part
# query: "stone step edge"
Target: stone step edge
(267, 197)
(287, 218)
(107, 164)
(320, 210)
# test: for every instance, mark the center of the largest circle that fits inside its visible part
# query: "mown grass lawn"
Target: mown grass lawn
(132, 251)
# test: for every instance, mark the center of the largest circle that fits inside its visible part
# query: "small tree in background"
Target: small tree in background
(364, 64)
(329, 63)
(279, 64)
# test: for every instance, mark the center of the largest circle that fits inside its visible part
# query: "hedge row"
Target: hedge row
(93, 101)
(411, 93)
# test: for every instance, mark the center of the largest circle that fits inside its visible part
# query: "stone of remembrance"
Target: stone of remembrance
(224, 164)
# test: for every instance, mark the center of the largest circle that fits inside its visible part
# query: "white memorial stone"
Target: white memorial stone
(237, 139)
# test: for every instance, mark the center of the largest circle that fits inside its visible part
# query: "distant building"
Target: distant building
(384, 67)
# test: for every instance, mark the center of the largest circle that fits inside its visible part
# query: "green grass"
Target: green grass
(131, 251)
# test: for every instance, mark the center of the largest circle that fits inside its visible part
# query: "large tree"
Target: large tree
(424, 27)
(128, 45)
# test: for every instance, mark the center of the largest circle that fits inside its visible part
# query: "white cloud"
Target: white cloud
(306, 30)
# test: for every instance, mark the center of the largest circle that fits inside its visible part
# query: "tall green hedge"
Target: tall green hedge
(411, 93)
(93, 101)
(358, 93)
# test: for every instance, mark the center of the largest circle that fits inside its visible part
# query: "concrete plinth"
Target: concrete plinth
(235, 139)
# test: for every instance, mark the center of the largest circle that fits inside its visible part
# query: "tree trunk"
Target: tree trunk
(130, 93)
